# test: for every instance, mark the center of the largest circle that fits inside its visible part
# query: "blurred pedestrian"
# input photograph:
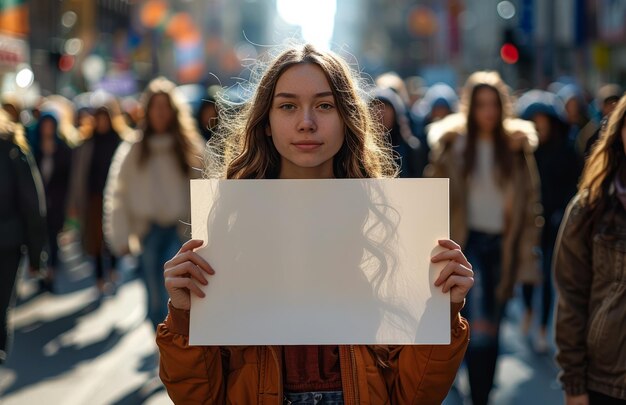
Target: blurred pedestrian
(392, 113)
(439, 101)
(559, 169)
(146, 203)
(207, 117)
(575, 109)
(22, 218)
(54, 160)
(92, 160)
(590, 274)
(495, 208)
(415, 88)
(132, 111)
(393, 81)
(606, 99)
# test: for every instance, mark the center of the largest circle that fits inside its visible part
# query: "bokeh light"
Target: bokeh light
(506, 9)
(422, 21)
(24, 77)
(153, 13)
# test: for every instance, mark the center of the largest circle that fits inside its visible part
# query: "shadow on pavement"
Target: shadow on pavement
(39, 366)
(143, 393)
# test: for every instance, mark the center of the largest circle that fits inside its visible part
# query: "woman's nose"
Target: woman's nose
(307, 123)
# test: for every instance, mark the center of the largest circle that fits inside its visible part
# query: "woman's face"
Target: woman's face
(439, 112)
(572, 109)
(47, 128)
(542, 123)
(487, 110)
(304, 123)
(103, 122)
(160, 113)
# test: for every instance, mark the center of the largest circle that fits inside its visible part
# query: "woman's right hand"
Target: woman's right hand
(182, 273)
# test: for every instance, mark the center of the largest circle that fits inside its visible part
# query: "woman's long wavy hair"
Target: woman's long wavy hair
(492, 81)
(603, 165)
(182, 126)
(242, 150)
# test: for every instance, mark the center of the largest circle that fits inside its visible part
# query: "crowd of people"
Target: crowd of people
(515, 159)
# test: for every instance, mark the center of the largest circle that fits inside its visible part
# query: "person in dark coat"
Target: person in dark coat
(207, 117)
(22, 218)
(559, 168)
(410, 153)
(439, 101)
(54, 160)
(607, 98)
(91, 162)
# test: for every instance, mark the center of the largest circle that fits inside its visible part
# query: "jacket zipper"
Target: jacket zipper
(349, 377)
(354, 375)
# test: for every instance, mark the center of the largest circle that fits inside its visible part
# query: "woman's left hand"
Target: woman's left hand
(457, 277)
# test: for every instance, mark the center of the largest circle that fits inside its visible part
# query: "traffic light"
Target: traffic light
(66, 63)
(509, 51)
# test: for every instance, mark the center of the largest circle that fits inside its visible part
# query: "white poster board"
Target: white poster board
(342, 261)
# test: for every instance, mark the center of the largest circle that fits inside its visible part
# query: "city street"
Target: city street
(72, 348)
(108, 109)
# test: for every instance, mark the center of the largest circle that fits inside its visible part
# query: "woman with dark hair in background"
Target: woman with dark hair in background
(494, 208)
(54, 160)
(91, 167)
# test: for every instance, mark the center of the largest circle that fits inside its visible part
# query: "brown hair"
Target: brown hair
(181, 127)
(13, 132)
(241, 149)
(487, 80)
(604, 163)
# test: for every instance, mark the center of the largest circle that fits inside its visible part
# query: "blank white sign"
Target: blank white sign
(341, 261)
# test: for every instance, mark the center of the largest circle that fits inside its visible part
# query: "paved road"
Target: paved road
(73, 348)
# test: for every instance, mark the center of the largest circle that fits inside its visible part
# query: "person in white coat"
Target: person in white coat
(146, 203)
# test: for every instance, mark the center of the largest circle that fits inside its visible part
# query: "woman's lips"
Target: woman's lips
(307, 146)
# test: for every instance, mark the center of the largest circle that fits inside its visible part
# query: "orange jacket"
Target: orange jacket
(242, 375)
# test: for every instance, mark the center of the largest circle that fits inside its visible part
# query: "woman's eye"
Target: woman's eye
(286, 106)
(326, 106)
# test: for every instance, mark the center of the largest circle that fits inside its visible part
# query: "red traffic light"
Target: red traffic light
(509, 53)
(66, 63)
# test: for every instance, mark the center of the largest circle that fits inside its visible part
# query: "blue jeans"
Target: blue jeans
(483, 311)
(314, 398)
(159, 245)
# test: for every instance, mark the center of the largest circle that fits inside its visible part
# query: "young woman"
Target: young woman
(495, 209)
(305, 121)
(590, 274)
(147, 191)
